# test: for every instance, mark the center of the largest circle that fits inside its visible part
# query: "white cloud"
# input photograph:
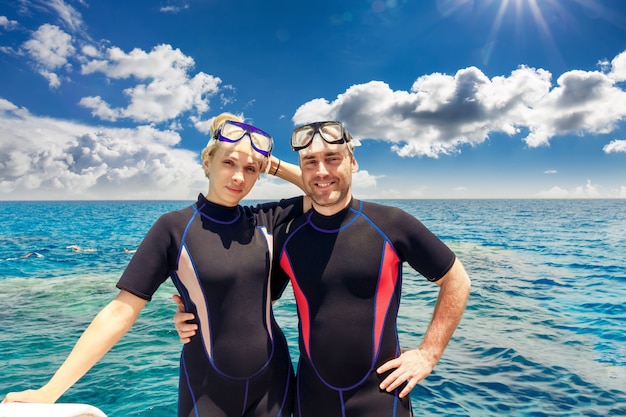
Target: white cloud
(269, 188)
(7, 24)
(364, 180)
(164, 86)
(582, 102)
(442, 113)
(391, 193)
(167, 92)
(53, 79)
(551, 171)
(172, 8)
(44, 158)
(615, 146)
(618, 68)
(589, 190)
(621, 192)
(50, 48)
(68, 15)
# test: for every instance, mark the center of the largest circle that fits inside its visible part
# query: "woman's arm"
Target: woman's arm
(106, 329)
(285, 170)
(289, 172)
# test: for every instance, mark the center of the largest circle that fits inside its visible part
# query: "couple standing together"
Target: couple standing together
(343, 258)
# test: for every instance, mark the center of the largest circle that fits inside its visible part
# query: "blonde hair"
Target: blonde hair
(211, 147)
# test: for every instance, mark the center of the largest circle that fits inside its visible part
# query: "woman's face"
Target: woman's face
(232, 172)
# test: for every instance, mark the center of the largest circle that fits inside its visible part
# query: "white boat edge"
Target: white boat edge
(49, 410)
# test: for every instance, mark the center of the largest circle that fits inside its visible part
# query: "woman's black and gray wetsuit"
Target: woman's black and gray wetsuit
(220, 260)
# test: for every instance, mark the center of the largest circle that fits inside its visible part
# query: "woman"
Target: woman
(218, 255)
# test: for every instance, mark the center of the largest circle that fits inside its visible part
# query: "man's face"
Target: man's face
(327, 175)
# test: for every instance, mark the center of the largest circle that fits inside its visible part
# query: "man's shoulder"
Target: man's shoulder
(383, 209)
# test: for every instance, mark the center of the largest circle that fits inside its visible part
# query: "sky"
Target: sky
(111, 100)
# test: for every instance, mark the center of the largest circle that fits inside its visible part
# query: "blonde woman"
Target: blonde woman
(218, 254)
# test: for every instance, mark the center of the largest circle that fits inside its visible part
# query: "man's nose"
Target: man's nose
(321, 168)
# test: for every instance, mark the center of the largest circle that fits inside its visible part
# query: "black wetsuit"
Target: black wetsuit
(220, 260)
(346, 273)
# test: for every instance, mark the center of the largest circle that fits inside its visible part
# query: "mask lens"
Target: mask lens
(261, 141)
(232, 131)
(331, 132)
(302, 136)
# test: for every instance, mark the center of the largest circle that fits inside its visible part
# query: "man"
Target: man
(344, 260)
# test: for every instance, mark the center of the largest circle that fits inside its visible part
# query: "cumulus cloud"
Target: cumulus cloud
(44, 158)
(618, 68)
(615, 146)
(7, 24)
(162, 85)
(441, 113)
(589, 190)
(165, 88)
(271, 188)
(66, 14)
(50, 48)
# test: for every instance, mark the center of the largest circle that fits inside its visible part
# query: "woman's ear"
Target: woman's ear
(206, 165)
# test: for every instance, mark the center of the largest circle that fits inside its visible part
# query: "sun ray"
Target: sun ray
(493, 34)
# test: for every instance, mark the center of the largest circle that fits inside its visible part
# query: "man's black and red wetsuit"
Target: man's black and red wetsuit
(220, 260)
(346, 273)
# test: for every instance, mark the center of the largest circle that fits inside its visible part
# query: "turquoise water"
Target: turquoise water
(543, 335)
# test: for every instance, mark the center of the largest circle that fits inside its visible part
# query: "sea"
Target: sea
(544, 332)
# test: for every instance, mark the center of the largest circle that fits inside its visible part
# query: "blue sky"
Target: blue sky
(449, 98)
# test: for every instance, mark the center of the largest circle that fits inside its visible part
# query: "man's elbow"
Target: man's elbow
(457, 278)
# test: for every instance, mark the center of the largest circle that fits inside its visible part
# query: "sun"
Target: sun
(529, 18)
(521, 9)
(529, 25)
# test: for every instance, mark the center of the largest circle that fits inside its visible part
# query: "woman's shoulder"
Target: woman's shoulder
(176, 216)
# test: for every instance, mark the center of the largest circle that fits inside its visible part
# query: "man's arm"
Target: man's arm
(412, 366)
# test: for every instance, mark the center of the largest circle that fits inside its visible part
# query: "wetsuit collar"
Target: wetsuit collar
(217, 212)
(337, 220)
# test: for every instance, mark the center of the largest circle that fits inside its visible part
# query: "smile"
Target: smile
(324, 184)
